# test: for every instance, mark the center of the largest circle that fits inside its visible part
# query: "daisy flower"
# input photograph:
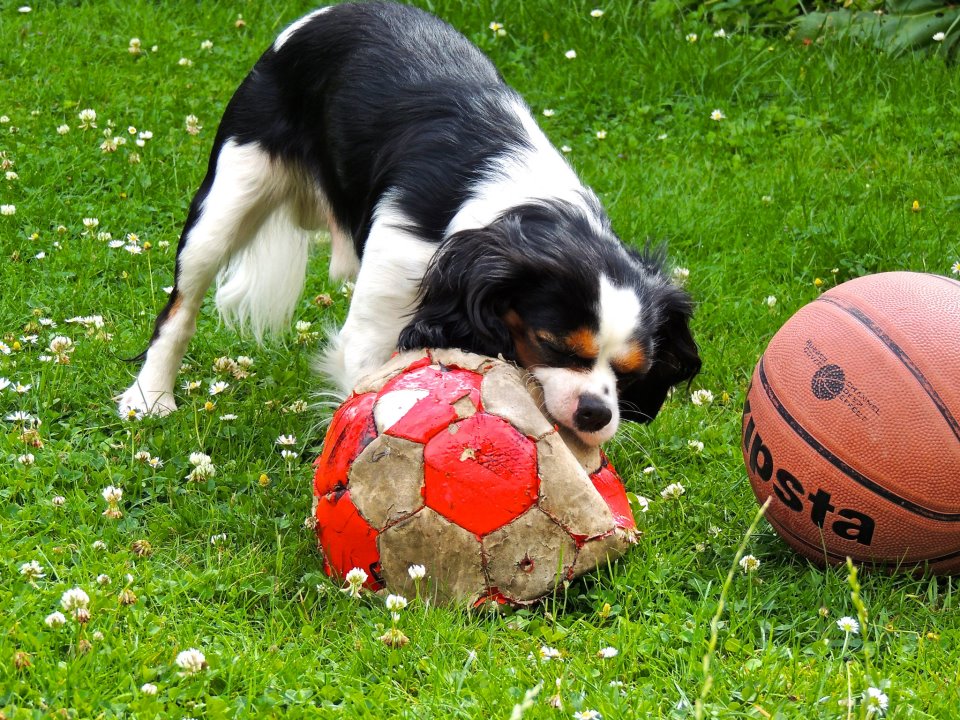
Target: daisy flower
(848, 625)
(955, 268)
(287, 440)
(874, 699)
(218, 387)
(570, 54)
(939, 37)
(596, 13)
(717, 115)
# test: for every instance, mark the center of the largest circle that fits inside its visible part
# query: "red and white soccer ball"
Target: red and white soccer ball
(443, 459)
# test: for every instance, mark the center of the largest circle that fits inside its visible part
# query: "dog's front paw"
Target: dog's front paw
(137, 401)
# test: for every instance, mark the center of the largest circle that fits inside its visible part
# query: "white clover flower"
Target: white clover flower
(566, 149)
(133, 47)
(229, 417)
(749, 563)
(218, 540)
(396, 603)
(717, 115)
(32, 570)
(8, 210)
(203, 471)
(58, 501)
(88, 118)
(691, 37)
(289, 454)
(26, 459)
(355, 578)
(549, 112)
(695, 445)
(206, 45)
(596, 13)
(103, 579)
(191, 661)
(570, 54)
(848, 625)
(61, 344)
(701, 397)
(99, 545)
(148, 689)
(55, 620)
(303, 326)
(11, 175)
(74, 599)
(141, 455)
(939, 37)
(875, 701)
(112, 494)
(681, 275)
(193, 125)
(601, 134)
(771, 300)
(607, 653)
(185, 62)
(721, 33)
(416, 572)
(63, 129)
(199, 458)
(672, 491)
(643, 502)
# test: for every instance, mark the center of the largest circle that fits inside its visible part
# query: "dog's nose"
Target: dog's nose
(592, 414)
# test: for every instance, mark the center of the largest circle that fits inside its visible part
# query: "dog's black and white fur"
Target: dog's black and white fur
(463, 226)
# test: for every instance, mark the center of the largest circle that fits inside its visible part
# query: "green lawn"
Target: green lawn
(811, 174)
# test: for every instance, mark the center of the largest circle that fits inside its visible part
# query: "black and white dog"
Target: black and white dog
(462, 225)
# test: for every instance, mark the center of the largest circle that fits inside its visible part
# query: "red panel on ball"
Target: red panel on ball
(435, 411)
(480, 474)
(346, 539)
(611, 489)
(351, 430)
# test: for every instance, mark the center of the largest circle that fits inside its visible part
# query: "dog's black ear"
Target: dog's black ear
(675, 360)
(465, 293)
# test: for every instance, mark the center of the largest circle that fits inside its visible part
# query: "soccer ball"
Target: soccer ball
(444, 459)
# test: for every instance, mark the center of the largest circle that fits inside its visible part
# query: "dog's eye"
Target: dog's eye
(561, 355)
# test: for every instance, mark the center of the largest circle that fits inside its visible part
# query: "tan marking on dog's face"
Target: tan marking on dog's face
(583, 342)
(631, 360)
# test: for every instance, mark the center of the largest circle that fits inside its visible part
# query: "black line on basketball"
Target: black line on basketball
(904, 359)
(843, 467)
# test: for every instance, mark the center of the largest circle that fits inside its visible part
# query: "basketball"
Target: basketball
(852, 424)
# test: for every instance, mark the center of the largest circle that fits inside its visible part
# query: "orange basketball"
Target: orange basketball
(852, 424)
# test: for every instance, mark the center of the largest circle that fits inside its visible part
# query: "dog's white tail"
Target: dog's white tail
(259, 287)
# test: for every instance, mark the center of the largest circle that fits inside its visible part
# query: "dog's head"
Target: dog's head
(551, 287)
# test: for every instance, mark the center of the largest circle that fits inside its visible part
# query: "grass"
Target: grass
(811, 175)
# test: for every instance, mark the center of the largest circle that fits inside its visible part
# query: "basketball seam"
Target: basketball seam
(782, 528)
(904, 359)
(843, 467)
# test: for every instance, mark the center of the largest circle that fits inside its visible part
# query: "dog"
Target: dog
(462, 225)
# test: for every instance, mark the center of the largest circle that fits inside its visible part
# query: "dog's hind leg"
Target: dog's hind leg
(241, 224)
